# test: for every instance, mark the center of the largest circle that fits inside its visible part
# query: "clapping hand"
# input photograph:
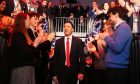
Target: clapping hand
(55, 80)
(103, 35)
(129, 8)
(51, 36)
(91, 48)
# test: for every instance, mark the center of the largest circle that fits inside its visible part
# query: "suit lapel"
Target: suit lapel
(72, 45)
(30, 32)
(63, 46)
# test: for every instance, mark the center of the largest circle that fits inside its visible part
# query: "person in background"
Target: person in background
(14, 7)
(6, 22)
(112, 4)
(31, 5)
(61, 10)
(95, 51)
(105, 8)
(118, 47)
(78, 10)
(22, 52)
(91, 54)
(134, 16)
(42, 8)
(121, 3)
(99, 75)
(51, 16)
(68, 58)
(92, 12)
(6, 27)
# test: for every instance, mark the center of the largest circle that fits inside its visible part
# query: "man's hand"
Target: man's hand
(80, 76)
(51, 36)
(55, 80)
(103, 35)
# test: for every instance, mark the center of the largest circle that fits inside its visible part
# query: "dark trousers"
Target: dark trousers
(42, 73)
(67, 77)
(94, 76)
(88, 76)
(99, 77)
(117, 76)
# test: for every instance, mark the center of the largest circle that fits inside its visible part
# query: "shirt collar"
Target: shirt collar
(32, 29)
(116, 25)
(70, 37)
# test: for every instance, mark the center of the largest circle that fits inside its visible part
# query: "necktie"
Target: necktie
(35, 35)
(67, 53)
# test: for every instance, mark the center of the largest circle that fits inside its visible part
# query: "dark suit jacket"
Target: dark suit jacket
(43, 47)
(10, 7)
(76, 57)
(30, 32)
(21, 53)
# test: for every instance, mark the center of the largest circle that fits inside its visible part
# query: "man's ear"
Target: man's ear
(72, 29)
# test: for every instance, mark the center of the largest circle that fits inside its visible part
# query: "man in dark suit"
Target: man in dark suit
(42, 58)
(68, 58)
(13, 4)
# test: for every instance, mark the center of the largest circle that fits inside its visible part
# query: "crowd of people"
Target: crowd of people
(102, 58)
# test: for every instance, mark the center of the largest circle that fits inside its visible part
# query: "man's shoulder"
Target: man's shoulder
(29, 30)
(124, 25)
(60, 39)
(77, 38)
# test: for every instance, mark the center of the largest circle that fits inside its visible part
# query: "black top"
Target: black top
(22, 54)
(42, 50)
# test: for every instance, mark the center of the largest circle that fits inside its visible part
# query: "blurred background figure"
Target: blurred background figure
(134, 16)
(121, 3)
(78, 10)
(6, 28)
(15, 6)
(6, 22)
(42, 8)
(112, 4)
(105, 8)
(61, 10)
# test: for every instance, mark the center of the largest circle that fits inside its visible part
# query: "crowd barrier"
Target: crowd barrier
(81, 26)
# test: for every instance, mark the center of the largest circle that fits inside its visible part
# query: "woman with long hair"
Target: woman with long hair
(22, 52)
